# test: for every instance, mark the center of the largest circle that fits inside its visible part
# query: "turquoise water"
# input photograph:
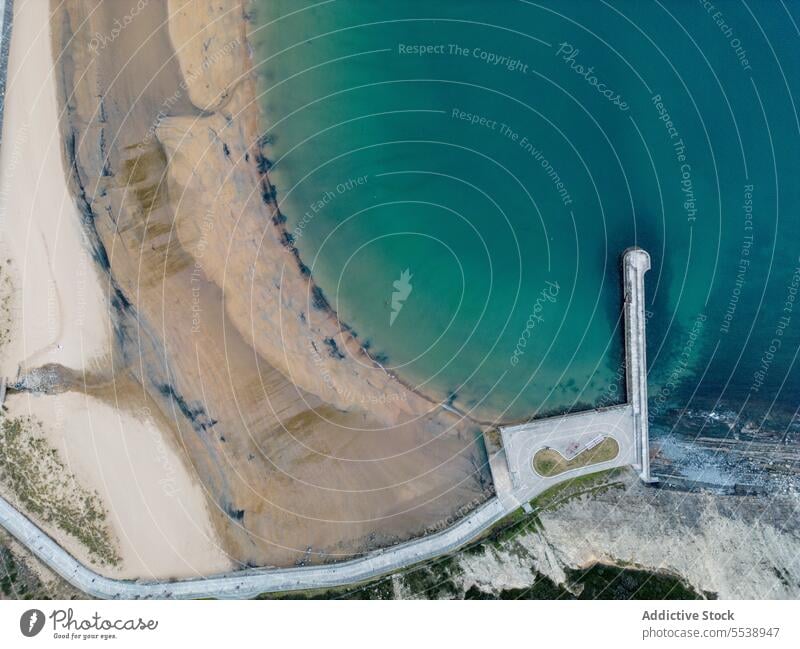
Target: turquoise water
(506, 153)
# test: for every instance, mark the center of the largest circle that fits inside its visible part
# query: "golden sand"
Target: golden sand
(208, 303)
(111, 440)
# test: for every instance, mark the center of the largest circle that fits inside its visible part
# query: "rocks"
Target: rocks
(51, 378)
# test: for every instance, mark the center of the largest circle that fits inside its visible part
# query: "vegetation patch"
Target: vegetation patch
(603, 581)
(548, 462)
(378, 589)
(586, 485)
(19, 579)
(434, 580)
(6, 298)
(34, 474)
(8, 572)
(542, 588)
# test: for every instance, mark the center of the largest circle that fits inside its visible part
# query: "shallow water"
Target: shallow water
(506, 166)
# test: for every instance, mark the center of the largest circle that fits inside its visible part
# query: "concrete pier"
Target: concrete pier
(635, 263)
(626, 423)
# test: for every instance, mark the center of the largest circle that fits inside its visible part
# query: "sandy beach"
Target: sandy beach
(59, 313)
(156, 510)
(203, 387)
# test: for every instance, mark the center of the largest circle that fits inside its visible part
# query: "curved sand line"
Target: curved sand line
(213, 312)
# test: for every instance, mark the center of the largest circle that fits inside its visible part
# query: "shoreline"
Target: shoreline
(269, 195)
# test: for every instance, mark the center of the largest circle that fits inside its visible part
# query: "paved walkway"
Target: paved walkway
(520, 444)
(635, 263)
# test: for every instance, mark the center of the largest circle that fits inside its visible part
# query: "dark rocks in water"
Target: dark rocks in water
(318, 299)
(750, 490)
(380, 358)
(265, 139)
(263, 163)
(269, 194)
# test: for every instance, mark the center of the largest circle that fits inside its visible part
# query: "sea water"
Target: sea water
(463, 177)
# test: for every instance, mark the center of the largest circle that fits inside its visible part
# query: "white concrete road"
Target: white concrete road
(635, 263)
(521, 443)
(250, 583)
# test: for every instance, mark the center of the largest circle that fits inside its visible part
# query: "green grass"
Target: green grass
(32, 471)
(432, 580)
(548, 462)
(377, 589)
(518, 522)
(602, 581)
